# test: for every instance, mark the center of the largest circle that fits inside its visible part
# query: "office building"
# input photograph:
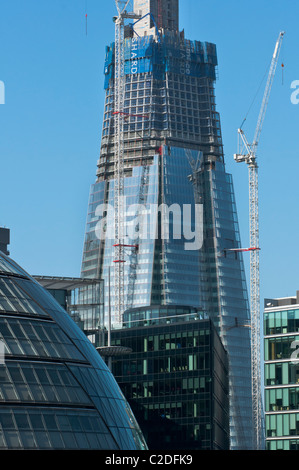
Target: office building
(55, 390)
(173, 156)
(281, 340)
(175, 377)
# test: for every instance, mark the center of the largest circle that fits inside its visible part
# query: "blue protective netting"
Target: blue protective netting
(172, 54)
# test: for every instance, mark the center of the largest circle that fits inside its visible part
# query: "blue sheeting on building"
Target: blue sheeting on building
(173, 54)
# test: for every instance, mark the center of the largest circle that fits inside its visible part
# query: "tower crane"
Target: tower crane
(248, 154)
(119, 220)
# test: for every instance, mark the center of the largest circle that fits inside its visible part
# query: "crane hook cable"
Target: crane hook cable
(255, 96)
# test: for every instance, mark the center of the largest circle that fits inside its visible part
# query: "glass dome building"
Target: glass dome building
(55, 390)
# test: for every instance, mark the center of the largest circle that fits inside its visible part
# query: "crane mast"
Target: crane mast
(247, 154)
(119, 220)
(118, 161)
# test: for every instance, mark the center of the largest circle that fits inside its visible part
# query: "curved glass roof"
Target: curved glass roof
(56, 392)
(8, 266)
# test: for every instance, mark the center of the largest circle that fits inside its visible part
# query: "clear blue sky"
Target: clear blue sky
(50, 126)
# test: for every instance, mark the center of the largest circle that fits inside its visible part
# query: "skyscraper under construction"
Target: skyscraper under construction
(172, 159)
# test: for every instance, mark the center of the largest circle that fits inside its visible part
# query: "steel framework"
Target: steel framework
(247, 154)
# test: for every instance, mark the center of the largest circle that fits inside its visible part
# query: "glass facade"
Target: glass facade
(281, 377)
(83, 299)
(55, 390)
(173, 155)
(224, 292)
(175, 378)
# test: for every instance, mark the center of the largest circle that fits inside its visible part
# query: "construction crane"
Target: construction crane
(119, 220)
(248, 153)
